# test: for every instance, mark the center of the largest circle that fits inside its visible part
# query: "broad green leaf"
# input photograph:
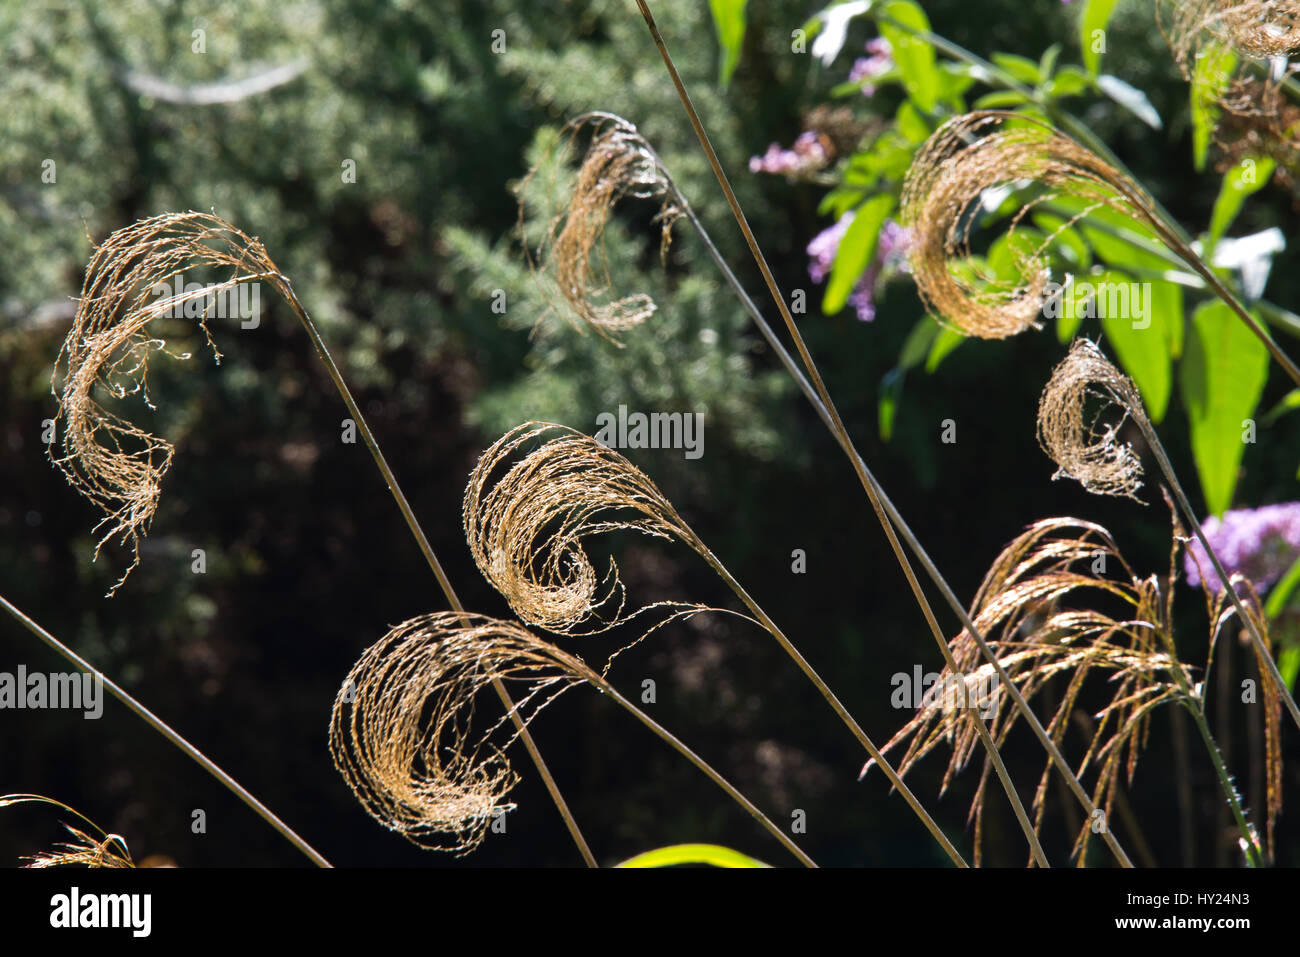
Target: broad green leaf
(912, 124)
(1131, 98)
(1139, 341)
(856, 251)
(1047, 62)
(1071, 81)
(1282, 591)
(1092, 31)
(917, 344)
(947, 340)
(914, 55)
(1222, 376)
(1021, 68)
(1288, 663)
(711, 854)
(1167, 312)
(729, 21)
(1239, 183)
(1065, 240)
(1211, 75)
(1000, 100)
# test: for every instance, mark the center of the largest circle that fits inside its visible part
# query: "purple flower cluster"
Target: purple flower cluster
(880, 61)
(890, 258)
(808, 155)
(1259, 543)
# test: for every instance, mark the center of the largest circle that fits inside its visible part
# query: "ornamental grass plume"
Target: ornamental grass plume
(84, 850)
(573, 264)
(1085, 451)
(950, 178)
(1036, 607)
(402, 732)
(525, 527)
(1252, 28)
(127, 295)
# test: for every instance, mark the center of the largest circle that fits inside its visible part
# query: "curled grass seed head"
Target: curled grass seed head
(1087, 452)
(965, 162)
(526, 529)
(1253, 28)
(618, 163)
(402, 732)
(128, 286)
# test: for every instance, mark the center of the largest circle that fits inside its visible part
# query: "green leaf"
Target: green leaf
(1167, 311)
(1288, 663)
(891, 391)
(918, 342)
(947, 340)
(1131, 98)
(1282, 591)
(1071, 81)
(729, 21)
(1239, 183)
(1022, 68)
(1140, 342)
(1222, 377)
(1000, 100)
(911, 124)
(1047, 62)
(711, 854)
(914, 55)
(1096, 17)
(1211, 76)
(1288, 403)
(856, 251)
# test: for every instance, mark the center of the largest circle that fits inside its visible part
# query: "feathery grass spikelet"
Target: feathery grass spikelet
(110, 461)
(402, 732)
(1253, 28)
(574, 271)
(1020, 608)
(950, 178)
(1086, 452)
(84, 850)
(525, 529)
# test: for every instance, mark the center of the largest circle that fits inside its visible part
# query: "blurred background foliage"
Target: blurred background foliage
(307, 558)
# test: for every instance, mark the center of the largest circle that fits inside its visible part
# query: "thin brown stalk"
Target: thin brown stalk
(886, 513)
(166, 731)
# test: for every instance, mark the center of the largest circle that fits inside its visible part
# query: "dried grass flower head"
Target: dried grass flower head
(1044, 606)
(84, 850)
(1085, 450)
(526, 519)
(129, 291)
(574, 268)
(403, 731)
(970, 159)
(1252, 28)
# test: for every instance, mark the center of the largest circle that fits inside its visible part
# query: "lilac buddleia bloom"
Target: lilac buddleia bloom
(808, 155)
(890, 259)
(879, 62)
(1259, 543)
